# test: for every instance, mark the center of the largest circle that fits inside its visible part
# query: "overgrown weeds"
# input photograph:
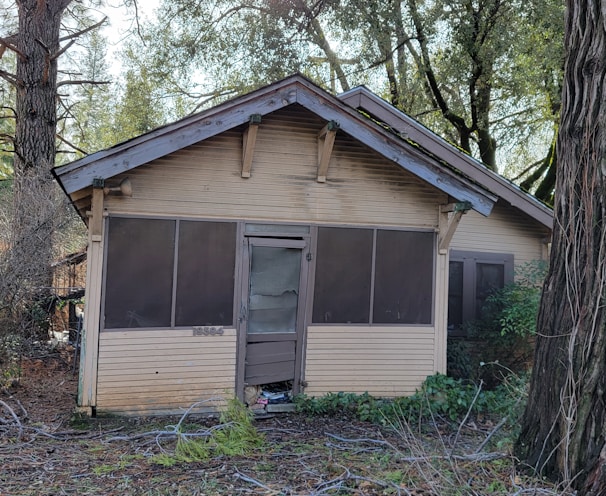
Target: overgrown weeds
(440, 396)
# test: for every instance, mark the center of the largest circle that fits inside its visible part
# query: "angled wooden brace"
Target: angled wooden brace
(326, 140)
(249, 139)
(447, 231)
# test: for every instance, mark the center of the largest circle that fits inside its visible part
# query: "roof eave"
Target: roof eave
(362, 98)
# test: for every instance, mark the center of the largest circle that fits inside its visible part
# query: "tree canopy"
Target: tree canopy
(485, 74)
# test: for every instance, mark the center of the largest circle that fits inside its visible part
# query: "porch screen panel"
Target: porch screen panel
(139, 280)
(343, 275)
(205, 273)
(403, 277)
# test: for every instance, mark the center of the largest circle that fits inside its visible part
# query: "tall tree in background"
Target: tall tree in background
(37, 48)
(44, 32)
(565, 419)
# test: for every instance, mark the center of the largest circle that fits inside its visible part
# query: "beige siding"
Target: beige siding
(147, 372)
(505, 231)
(205, 180)
(383, 361)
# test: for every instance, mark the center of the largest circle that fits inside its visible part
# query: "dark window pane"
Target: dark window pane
(343, 272)
(139, 280)
(488, 278)
(403, 277)
(205, 273)
(455, 295)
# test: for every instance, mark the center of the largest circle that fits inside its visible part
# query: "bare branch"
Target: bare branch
(6, 42)
(69, 143)
(14, 116)
(56, 55)
(77, 34)
(81, 81)
(8, 77)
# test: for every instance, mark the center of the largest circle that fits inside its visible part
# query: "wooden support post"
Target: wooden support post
(89, 351)
(249, 139)
(326, 141)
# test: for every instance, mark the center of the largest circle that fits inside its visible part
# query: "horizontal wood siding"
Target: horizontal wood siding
(383, 361)
(164, 371)
(204, 180)
(506, 231)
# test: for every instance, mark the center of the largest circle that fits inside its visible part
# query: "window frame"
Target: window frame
(374, 230)
(176, 220)
(470, 260)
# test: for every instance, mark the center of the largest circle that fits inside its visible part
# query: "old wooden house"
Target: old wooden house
(285, 236)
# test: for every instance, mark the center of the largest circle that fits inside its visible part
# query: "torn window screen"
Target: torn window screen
(273, 289)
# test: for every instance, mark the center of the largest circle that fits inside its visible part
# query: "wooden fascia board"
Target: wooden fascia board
(364, 99)
(128, 155)
(173, 139)
(391, 147)
(276, 89)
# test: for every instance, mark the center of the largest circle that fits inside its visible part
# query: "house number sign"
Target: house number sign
(208, 331)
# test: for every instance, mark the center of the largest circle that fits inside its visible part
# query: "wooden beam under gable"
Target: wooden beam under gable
(326, 141)
(249, 139)
(449, 223)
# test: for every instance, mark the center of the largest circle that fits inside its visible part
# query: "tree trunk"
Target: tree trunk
(36, 119)
(564, 423)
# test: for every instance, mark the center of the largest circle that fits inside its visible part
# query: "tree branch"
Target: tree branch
(8, 77)
(62, 50)
(80, 81)
(77, 34)
(8, 44)
(69, 143)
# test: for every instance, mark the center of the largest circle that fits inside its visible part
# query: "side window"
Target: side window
(139, 281)
(472, 277)
(343, 276)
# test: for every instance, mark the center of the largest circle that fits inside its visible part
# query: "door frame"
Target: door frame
(303, 244)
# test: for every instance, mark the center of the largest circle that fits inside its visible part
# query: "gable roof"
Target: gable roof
(296, 89)
(363, 99)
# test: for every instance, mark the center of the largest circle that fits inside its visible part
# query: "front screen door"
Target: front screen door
(272, 310)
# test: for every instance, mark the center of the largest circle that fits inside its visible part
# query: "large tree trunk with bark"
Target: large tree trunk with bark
(37, 47)
(564, 425)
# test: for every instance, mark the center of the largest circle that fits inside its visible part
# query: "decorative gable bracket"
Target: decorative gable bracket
(449, 223)
(326, 140)
(249, 139)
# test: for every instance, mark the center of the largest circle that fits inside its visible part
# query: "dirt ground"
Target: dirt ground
(46, 450)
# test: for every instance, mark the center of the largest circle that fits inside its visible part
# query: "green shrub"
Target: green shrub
(439, 396)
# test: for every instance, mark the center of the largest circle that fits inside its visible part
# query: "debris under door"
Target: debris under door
(274, 397)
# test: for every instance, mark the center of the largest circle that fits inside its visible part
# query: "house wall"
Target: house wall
(506, 231)
(204, 181)
(168, 370)
(386, 361)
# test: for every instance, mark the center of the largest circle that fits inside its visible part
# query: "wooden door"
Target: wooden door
(271, 318)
